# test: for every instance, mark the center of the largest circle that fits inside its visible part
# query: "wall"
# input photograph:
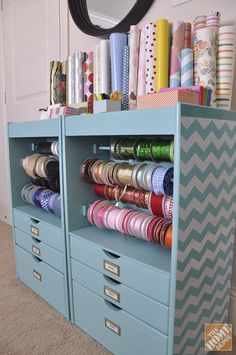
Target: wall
(163, 8)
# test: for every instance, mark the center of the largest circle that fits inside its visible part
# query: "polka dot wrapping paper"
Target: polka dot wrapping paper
(125, 78)
(150, 54)
(88, 80)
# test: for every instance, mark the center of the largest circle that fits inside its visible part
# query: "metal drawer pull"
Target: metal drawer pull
(34, 230)
(112, 294)
(37, 275)
(36, 250)
(112, 326)
(110, 267)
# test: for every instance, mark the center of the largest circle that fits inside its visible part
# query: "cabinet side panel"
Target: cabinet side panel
(207, 209)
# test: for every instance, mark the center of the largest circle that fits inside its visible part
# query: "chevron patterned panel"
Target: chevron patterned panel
(207, 210)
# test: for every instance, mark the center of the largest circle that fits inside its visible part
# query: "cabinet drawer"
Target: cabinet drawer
(43, 251)
(41, 278)
(142, 307)
(140, 277)
(39, 230)
(113, 327)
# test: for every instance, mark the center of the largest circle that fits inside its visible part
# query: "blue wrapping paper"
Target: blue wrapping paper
(117, 43)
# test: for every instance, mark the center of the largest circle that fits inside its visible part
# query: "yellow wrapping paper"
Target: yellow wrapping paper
(162, 53)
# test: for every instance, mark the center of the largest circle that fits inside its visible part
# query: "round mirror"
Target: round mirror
(102, 17)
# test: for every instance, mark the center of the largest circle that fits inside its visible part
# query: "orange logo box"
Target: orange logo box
(218, 337)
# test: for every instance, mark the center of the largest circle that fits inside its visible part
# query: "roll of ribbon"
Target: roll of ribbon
(79, 77)
(133, 65)
(178, 29)
(125, 78)
(150, 51)
(105, 67)
(162, 53)
(225, 66)
(142, 64)
(117, 43)
(88, 80)
(187, 67)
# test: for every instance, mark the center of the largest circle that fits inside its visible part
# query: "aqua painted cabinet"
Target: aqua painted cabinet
(134, 297)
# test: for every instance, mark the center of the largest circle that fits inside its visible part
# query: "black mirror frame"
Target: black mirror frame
(79, 13)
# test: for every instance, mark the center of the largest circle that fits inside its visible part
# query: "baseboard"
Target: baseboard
(232, 309)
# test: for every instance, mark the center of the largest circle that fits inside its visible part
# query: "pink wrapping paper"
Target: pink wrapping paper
(178, 29)
(133, 66)
(150, 54)
(142, 64)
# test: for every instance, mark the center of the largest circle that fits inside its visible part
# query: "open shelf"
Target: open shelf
(39, 214)
(153, 255)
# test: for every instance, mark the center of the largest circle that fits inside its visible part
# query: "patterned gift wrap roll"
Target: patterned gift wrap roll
(150, 51)
(79, 77)
(55, 68)
(96, 70)
(225, 66)
(207, 47)
(162, 53)
(105, 67)
(60, 89)
(125, 78)
(133, 65)
(213, 19)
(70, 80)
(187, 67)
(88, 80)
(117, 43)
(199, 22)
(187, 35)
(176, 48)
(142, 64)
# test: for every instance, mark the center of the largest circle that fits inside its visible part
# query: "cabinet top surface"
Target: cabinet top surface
(38, 128)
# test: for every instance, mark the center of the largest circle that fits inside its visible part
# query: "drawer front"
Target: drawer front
(135, 303)
(43, 251)
(41, 278)
(39, 230)
(113, 327)
(151, 283)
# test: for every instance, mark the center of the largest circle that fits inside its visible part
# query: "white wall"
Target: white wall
(163, 8)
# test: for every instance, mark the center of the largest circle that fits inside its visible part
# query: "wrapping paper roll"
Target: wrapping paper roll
(142, 64)
(117, 42)
(213, 19)
(225, 66)
(207, 47)
(88, 80)
(178, 28)
(96, 70)
(125, 78)
(60, 89)
(187, 35)
(162, 53)
(199, 22)
(150, 51)
(55, 68)
(105, 67)
(70, 80)
(79, 77)
(187, 67)
(133, 65)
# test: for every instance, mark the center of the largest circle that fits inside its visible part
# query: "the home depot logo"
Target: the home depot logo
(218, 337)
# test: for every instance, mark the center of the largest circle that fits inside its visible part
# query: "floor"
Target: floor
(28, 325)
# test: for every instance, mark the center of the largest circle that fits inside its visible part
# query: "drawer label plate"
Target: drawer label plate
(112, 294)
(110, 267)
(36, 250)
(37, 275)
(112, 326)
(34, 230)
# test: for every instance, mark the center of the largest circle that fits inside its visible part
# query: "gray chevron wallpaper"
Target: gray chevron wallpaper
(206, 229)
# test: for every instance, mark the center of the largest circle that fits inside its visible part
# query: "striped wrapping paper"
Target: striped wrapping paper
(213, 19)
(125, 78)
(88, 80)
(133, 66)
(187, 67)
(150, 54)
(79, 77)
(142, 64)
(178, 28)
(96, 70)
(225, 66)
